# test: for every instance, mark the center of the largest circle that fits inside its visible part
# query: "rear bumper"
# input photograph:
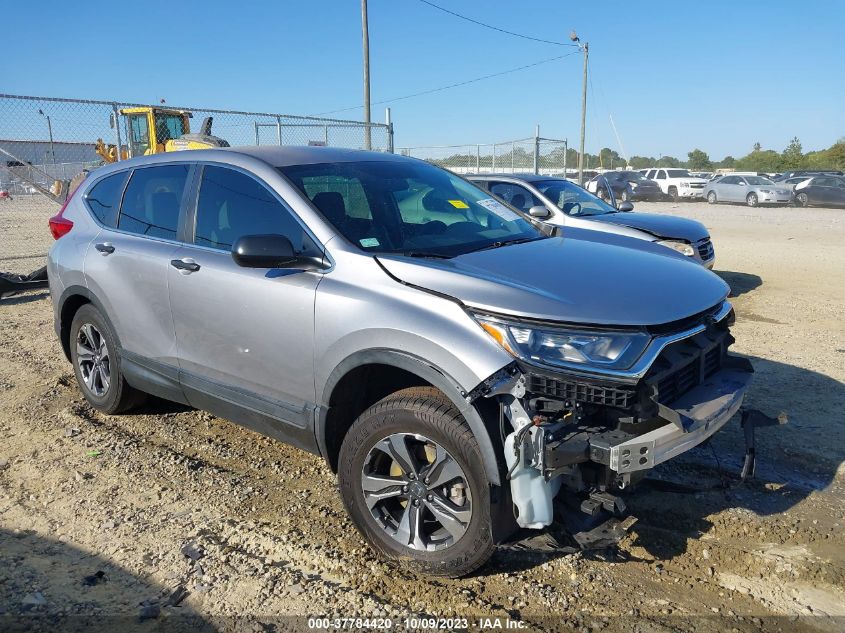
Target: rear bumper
(695, 417)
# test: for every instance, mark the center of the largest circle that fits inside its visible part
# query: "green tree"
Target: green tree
(698, 160)
(641, 162)
(757, 146)
(668, 161)
(609, 158)
(766, 160)
(727, 162)
(793, 155)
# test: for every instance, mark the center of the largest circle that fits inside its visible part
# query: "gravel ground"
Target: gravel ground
(170, 513)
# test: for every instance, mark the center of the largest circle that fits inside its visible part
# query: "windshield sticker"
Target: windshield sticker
(494, 206)
(459, 204)
(369, 242)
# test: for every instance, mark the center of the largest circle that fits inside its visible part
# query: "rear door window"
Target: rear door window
(515, 195)
(104, 198)
(152, 201)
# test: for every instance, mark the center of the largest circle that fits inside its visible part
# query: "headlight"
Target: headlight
(766, 191)
(562, 347)
(633, 185)
(682, 247)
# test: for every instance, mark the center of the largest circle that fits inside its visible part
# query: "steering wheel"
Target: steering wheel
(463, 228)
(434, 227)
(572, 208)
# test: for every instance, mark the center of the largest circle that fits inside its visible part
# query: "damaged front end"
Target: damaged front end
(595, 430)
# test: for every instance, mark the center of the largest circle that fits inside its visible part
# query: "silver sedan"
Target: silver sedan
(752, 190)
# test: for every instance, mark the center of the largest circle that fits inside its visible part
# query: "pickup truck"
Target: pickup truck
(676, 183)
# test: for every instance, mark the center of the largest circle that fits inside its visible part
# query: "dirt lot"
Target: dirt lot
(169, 498)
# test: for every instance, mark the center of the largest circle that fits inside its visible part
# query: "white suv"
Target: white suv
(676, 183)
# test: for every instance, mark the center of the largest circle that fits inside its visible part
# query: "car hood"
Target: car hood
(585, 277)
(663, 226)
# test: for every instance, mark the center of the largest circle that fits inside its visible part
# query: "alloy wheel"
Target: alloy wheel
(803, 199)
(416, 491)
(92, 356)
(751, 199)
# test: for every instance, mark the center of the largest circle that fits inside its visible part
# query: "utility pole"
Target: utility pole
(50, 132)
(366, 37)
(585, 48)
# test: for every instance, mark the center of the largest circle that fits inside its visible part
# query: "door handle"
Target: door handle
(105, 248)
(185, 265)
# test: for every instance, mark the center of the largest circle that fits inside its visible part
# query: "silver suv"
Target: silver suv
(456, 365)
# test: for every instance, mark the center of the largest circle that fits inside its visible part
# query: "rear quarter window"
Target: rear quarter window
(152, 201)
(103, 198)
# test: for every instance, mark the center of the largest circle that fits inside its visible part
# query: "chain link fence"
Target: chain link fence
(535, 154)
(46, 142)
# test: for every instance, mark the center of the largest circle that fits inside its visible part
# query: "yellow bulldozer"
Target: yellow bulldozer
(155, 130)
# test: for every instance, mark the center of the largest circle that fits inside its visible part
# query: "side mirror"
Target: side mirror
(269, 251)
(540, 212)
(626, 206)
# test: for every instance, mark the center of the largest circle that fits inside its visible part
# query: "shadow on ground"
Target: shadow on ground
(793, 461)
(740, 283)
(49, 585)
(27, 297)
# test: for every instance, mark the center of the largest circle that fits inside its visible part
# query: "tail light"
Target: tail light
(60, 225)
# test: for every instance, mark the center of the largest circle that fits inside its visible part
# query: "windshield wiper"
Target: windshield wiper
(426, 254)
(516, 240)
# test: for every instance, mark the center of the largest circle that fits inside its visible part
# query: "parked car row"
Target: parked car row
(802, 191)
(559, 202)
(800, 188)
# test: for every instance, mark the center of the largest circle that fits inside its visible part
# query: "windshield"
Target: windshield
(678, 173)
(757, 180)
(408, 207)
(632, 175)
(572, 199)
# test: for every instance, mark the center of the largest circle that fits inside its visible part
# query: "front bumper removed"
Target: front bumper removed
(686, 423)
(693, 418)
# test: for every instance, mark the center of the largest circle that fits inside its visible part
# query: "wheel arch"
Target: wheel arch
(366, 377)
(72, 298)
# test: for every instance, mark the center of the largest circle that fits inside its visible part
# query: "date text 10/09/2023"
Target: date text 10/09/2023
(416, 624)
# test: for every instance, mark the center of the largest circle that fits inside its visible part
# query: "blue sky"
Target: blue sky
(719, 75)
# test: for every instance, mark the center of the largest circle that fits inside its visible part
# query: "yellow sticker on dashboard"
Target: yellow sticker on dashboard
(459, 204)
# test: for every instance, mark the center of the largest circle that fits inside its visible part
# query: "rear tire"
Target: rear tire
(436, 518)
(751, 199)
(97, 363)
(711, 197)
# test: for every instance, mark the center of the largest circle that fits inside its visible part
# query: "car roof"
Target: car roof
(276, 156)
(523, 177)
(285, 156)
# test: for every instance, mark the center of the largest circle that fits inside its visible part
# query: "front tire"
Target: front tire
(711, 197)
(412, 480)
(673, 193)
(97, 363)
(751, 199)
(802, 200)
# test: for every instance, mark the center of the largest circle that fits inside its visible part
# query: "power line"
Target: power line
(455, 85)
(494, 28)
